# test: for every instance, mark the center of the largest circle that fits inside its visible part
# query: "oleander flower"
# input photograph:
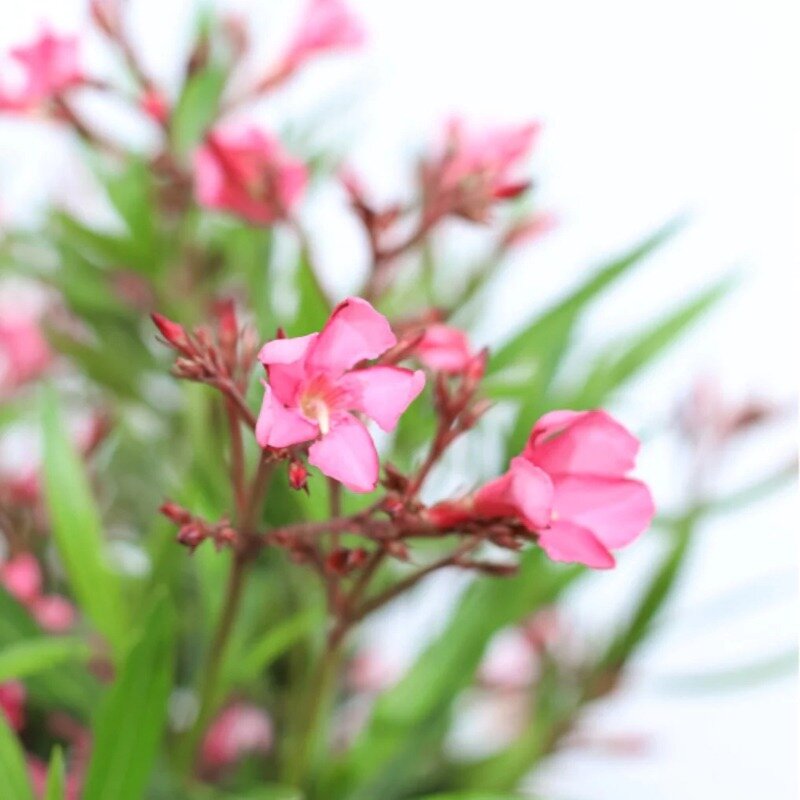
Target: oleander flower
(596, 507)
(246, 171)
(444, 348)
(325, 25)
(50, 65)
(239, 730)
(24, 351)
(314, 388)
(477, 168)
(12, 703)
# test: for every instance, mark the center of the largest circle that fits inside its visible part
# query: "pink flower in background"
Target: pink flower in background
(50, 65)
(325, 25)
(24, 352)
(239, 730)
(596, 508)
(155, 105)
(12, 703)
(444, 349)
(313, 389)
(246, 171)
(525, 492)
(21, 576)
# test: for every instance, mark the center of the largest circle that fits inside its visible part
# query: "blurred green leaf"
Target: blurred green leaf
(656, 593)
(66, 685)
(275, 642)
(55, 786)
(21, 659)
(472, 796)
(264, 792)
(623, 360)
(420, 702)
(197, 108)
(78, 531)
(131, 719)
(745, 676)
(312, 306)
(13, 771)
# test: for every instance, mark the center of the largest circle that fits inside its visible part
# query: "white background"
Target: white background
(650, 110)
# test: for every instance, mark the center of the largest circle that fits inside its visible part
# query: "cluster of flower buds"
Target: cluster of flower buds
(223, 358)
(193, 530)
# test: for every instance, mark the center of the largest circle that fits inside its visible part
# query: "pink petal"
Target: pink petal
(525, 491)
(53, 613)
(278, 426)
(384, 393)
(22, 577)
(354, 332)
(238, 730)
(565, 541)
(285, 362)
(615, 510)
(444, 348)
(348, 455)
(590, 442)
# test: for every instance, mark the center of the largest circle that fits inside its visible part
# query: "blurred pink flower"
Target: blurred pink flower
(477, 168)
(246, 171)
(325, 25)
(313, 388)
(587, 455)
(12, 703)
(155, 105)
(21, 576)
(24, 352)
(444, 348)
(50, 65)
(238, 730)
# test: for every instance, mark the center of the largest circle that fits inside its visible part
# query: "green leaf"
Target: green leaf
(197, 108)
(131, 719)
(263, 792)
(524, 368)
(473, 796)
(77, 530)
(275, 642)
(13, 772)
(745, 676)
(21, 659)
(55, 786)
(66, 685)
(656, 593)
(312, 306)
(624, 360)
(410, 718)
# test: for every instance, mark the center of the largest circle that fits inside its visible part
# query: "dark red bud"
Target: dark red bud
(342, 560)
(192, 535)
(173, 333)
(174, 512)
(298, 475)
(509, 191)
(449, 513)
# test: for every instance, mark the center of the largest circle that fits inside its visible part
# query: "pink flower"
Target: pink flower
(476, 169)
(444, 349)
(313, 388)
(239, 729)
(525, 493)
(12, 703)
(21, 576)
(50, 66)
(325, 25)
(587, 455)
(247, 172)
(24, 352)
(155, 105)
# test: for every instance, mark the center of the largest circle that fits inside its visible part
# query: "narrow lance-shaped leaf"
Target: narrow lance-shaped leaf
(55, 786)
(131, 719)
(13, 772)
(21, 659)
(77, 530)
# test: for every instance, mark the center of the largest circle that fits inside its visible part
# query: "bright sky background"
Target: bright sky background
(650, 110)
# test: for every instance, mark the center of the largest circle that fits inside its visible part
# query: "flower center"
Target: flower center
(321, 399)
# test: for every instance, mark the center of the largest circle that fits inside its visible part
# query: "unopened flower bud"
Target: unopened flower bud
(192, 535)
(174, 512)
(173, 333)
(449, 513)
(298, 475)
(343, 560)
